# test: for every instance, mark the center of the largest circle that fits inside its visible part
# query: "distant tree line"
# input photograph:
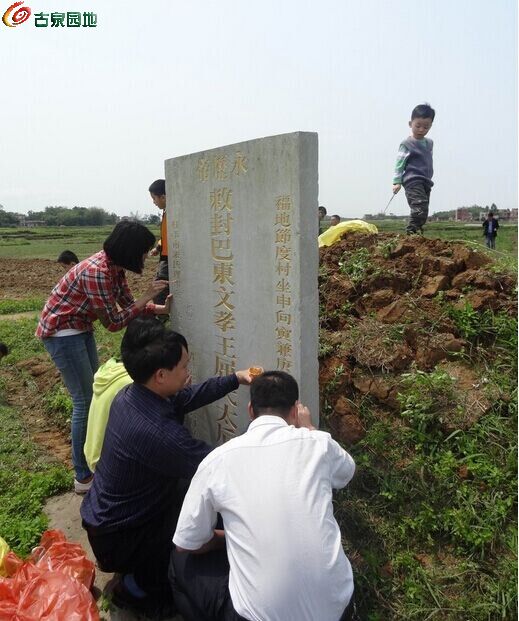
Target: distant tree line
(8, 218)
(474, 210)
(75, 216)
(70, 216)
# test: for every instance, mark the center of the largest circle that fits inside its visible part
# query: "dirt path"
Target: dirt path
(63, 513)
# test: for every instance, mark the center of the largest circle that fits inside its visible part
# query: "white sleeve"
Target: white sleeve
(197, 518)
(342, 466)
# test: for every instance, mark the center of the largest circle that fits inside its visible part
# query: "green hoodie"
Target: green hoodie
(110, 378)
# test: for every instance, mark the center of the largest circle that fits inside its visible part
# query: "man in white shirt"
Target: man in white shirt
(273, 488)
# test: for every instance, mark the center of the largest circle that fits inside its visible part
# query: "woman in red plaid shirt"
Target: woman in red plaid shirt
(95, 288)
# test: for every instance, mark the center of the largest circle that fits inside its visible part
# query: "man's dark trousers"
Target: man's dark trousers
(143, 551)
(200, 584)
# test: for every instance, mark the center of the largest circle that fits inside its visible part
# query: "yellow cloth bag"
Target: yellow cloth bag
(334, 233)
(4, 549)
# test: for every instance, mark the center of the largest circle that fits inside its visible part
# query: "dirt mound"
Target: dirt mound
(388, 309)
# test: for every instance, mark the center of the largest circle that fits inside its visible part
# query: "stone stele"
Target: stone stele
(243, 265)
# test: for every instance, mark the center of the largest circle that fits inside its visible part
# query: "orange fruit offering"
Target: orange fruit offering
(255, 371)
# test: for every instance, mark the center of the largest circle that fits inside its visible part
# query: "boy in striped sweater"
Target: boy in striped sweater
(414, 167)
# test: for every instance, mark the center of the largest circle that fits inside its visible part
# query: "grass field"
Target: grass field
(48, 242)
(395, 579)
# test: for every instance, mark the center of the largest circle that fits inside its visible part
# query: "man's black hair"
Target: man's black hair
(323, 209)
(335, 216)
(273, 392)
(127, 244)
(490, 214)
(148, 346)
(67, 257)
(158, 187)
(4, 350)
(423, 111)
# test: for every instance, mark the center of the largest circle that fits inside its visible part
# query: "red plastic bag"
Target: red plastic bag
(55, 553)
(52, 585)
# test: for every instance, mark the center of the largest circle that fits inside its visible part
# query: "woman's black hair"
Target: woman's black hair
(127, 244)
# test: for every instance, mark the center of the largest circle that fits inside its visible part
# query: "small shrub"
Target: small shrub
(424, 397)
(355, 265)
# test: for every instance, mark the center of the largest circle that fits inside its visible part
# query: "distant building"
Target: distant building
(30, 224)
(508, 215)
(463, 214)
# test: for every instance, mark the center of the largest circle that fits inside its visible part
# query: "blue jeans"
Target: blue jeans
(491, 240)
(76, 358)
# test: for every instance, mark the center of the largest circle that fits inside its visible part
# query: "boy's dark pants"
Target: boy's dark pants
(200, 584)
(162, 274)
(417, 196)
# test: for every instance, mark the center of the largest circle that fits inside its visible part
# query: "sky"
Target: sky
(90, 114)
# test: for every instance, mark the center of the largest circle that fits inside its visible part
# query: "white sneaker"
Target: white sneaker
(82, 488)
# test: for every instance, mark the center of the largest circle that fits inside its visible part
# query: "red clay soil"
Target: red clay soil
(23, 278)
(29, 381)
(392, 320)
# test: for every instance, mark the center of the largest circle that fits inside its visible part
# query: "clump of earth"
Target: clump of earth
(384, 313)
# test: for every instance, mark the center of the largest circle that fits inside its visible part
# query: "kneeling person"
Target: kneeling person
(273, 488)
(131, 509)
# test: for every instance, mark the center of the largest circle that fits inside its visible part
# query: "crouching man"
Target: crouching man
(131, 510)
(273, 488)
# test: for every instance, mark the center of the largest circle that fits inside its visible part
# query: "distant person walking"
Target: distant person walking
(157, 192)
(414, 167)
(490, 226)
(95, 288)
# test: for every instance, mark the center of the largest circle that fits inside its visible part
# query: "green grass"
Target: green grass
(28, 476)
(49, 242)
(8, 307)
(19, 337)
(431, 513)
(27, 479)
(23, 345)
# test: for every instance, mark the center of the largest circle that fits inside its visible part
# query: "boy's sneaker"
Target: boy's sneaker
(82, 488)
